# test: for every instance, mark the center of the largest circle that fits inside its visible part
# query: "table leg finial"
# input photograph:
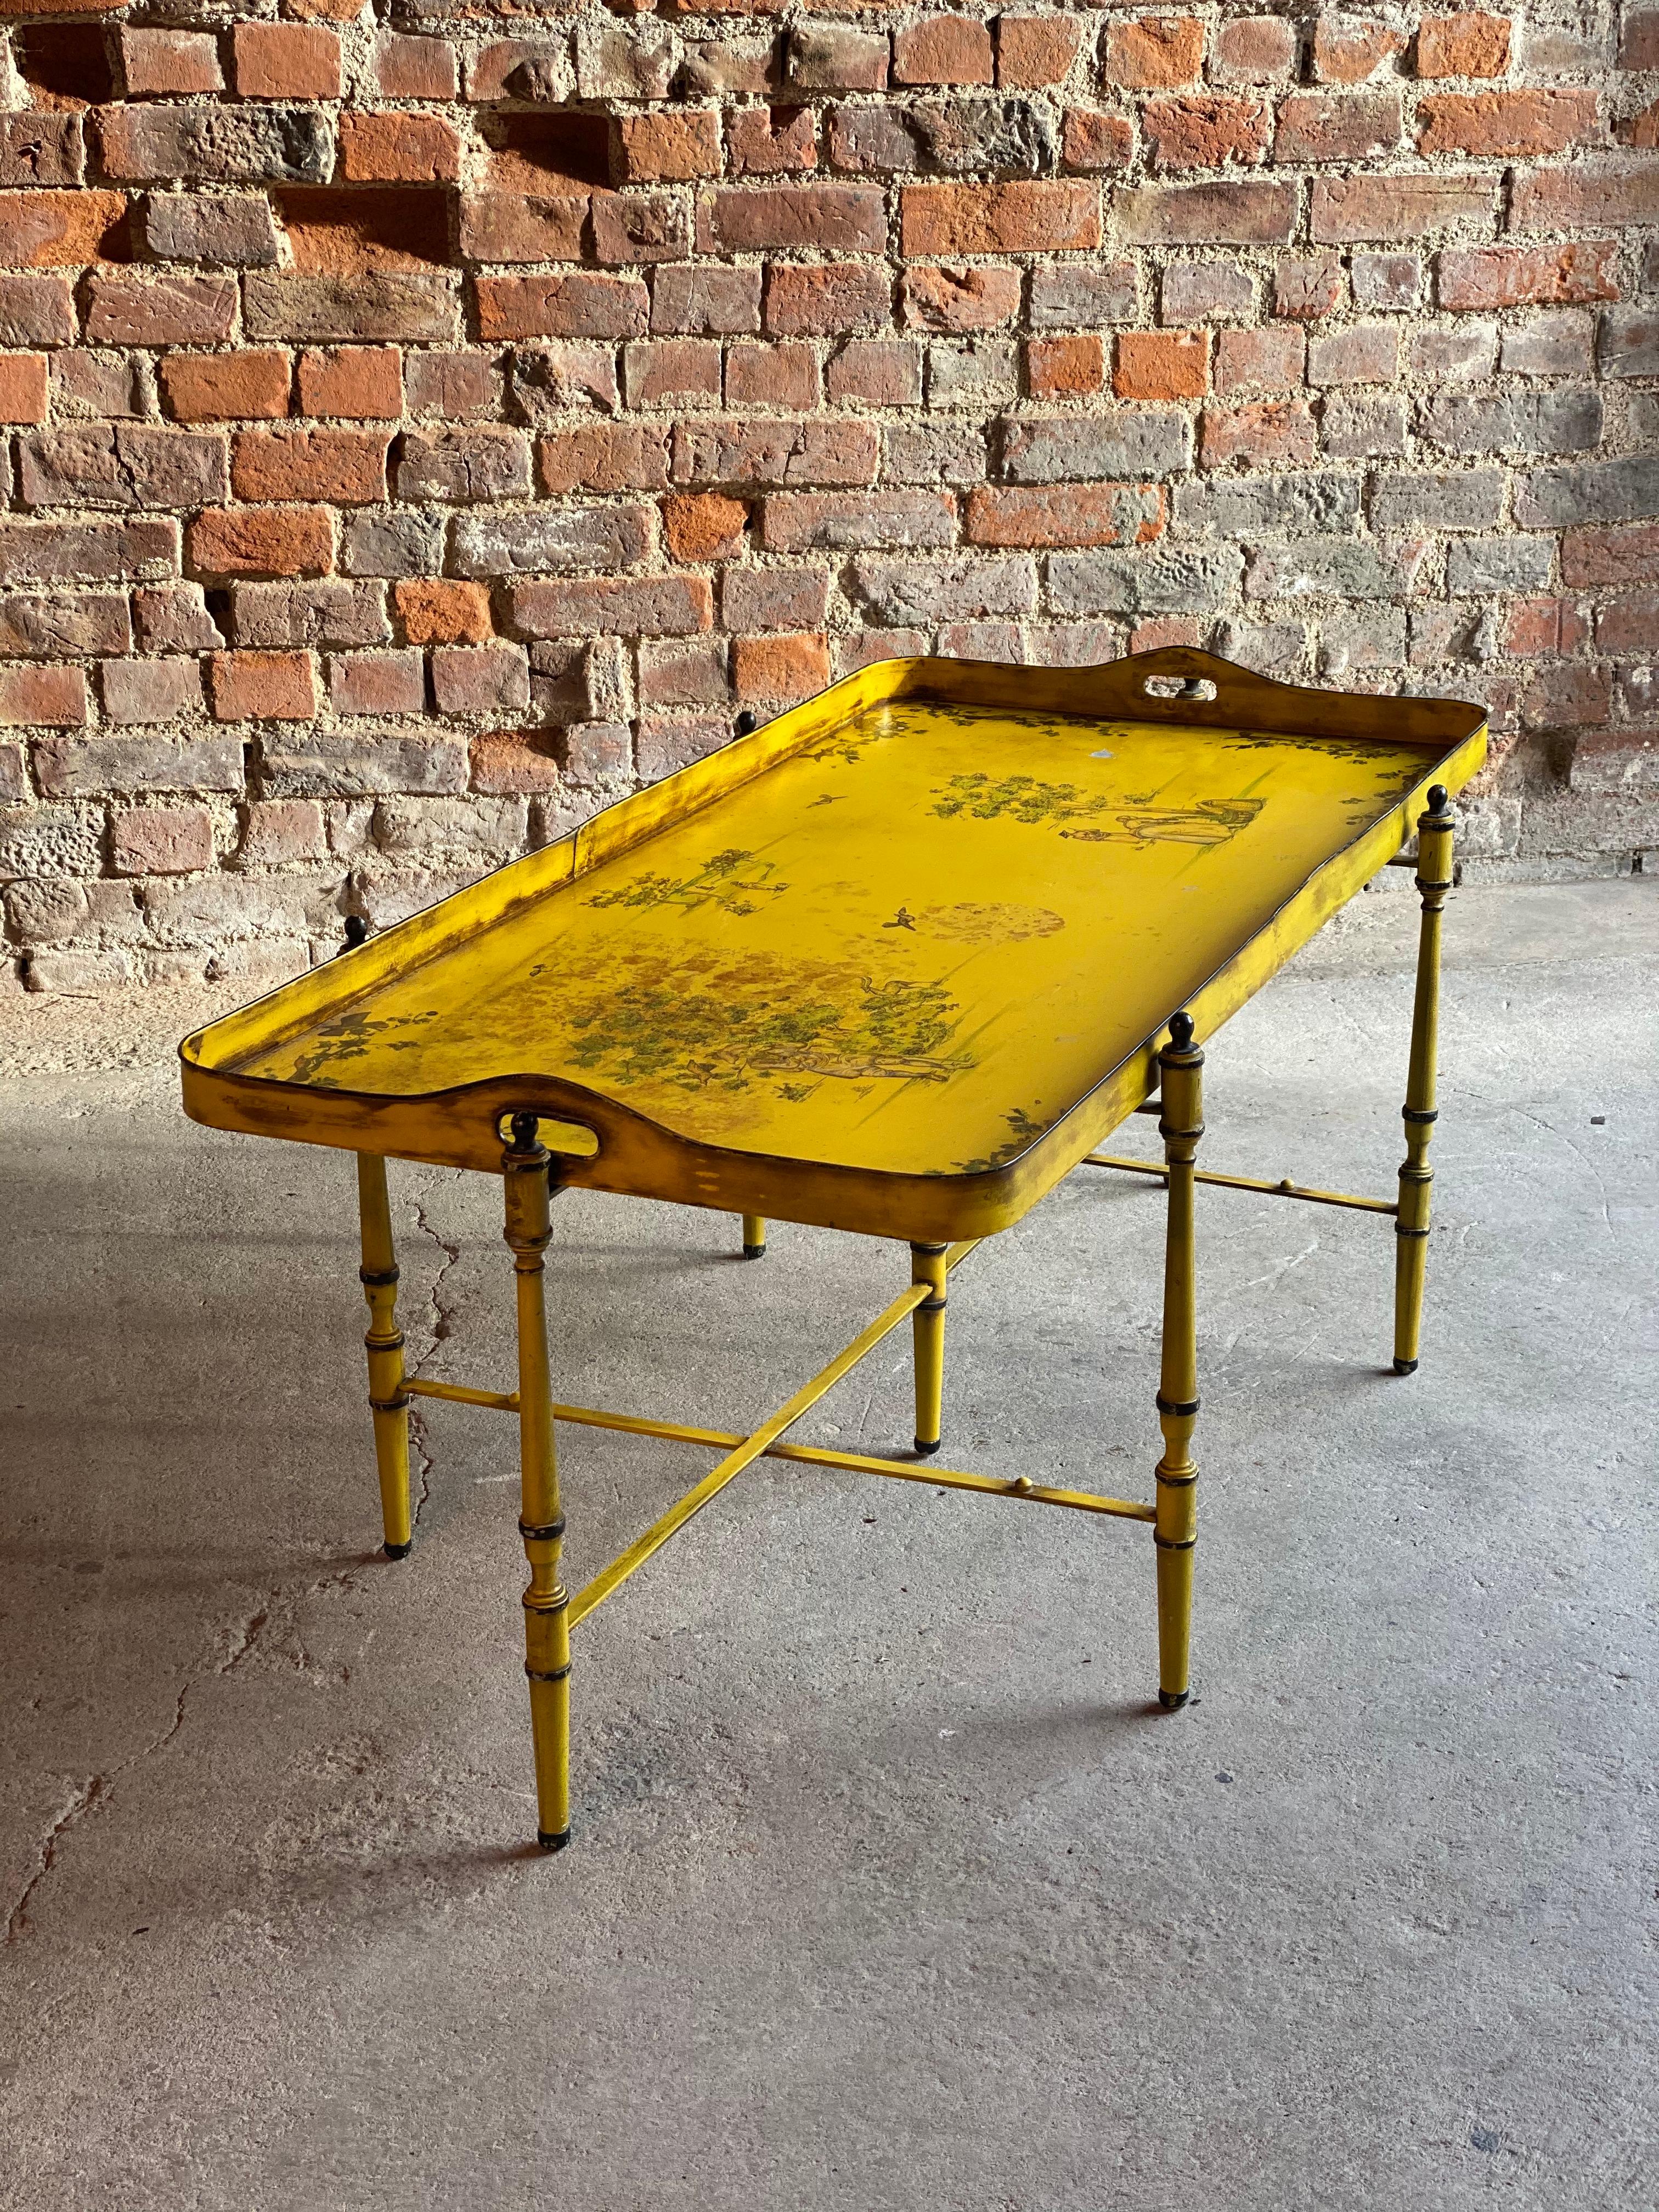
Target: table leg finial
(1175, 1531)
(525, 1168)
(1435, 832)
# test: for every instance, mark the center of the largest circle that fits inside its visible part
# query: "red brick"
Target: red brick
(1584, 198)
(782, 668)
(734, 449)
(1255, 50)
(604, 457)
(160, 311)
(827, 299)
(1010, 218)
(502, 227)
(1064, 368)
(672, 372)
(943, 49)
(239, 541)
(43, 698)
(1204, 130)
(584, 304)
(1482, 278)
(1092, 139)
(1278, 433)
(1065, 514)
(1337, 126)
(1398, 209)
(280, 830)
(453, 385)
(485, 679)
(376, 683)
(1628, 553)
(1629, 625)
(1308, 286)
(879, 372)
(1162, 365)
(960, 296)
(22, 387)
(1463, 46)
(160, 841)
(1508, 123)
(286, 61)
(398, 149)
(1537, 627)
(439, 610)
(365, 384)
(640, 225)
(770, 142)
(837, 218)
(414, 69)
(346, 467)
(175, 62)
(1154, 50)
(784, 376)
(1638, 48)
(668, 147)
(61, 230)
(1034, 51)
(225, 388)
(263, 687)
(1346, 52)
(1642, 129)
(704, 527)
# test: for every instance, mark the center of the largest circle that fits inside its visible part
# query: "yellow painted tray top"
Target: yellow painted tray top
(864, 964)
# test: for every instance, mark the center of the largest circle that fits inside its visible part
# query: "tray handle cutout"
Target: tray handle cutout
(1178, 687)
(570, 1140)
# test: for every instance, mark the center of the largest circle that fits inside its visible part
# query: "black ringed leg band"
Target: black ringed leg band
(1400, 1232)
(398, 1405)
(1181, 1407)
(1174, 1543)
(1419, 1114)
(931, 1305)
(376, 1278)
(557, 1605)
(1176, 1481)
(545, 1533)
(552, 1674)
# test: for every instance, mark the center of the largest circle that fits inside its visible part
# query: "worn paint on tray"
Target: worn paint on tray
(909, 947)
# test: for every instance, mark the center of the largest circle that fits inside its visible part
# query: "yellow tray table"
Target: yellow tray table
(895, 964)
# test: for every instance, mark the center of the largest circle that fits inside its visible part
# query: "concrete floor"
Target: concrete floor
(889, 1888)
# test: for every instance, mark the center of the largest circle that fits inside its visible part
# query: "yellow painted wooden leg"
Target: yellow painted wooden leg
(388, 1397)
(928, 1327)
(754, 1237)
(1176, 1530)
(541, 1524)
(1434, 881)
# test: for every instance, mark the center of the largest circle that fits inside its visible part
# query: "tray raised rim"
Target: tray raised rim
(637, 1155)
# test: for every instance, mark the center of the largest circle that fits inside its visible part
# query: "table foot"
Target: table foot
(1173, 1700)
(926, 1450)
(1405, 1367)
(397, 1551)
(554, 1842)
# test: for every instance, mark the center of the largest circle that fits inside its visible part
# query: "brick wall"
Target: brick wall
(426, 418)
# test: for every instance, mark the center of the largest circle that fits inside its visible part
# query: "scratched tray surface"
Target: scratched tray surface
(912, 946)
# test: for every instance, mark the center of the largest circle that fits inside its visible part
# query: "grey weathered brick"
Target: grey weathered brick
(1123, 441)
(1518, 422)
(739, 450)
(684, 672)
(949, 136)
(625, 61)
(921, 592)
(934, 453)
(91, 552)
(1248, 507)
(330, 612)
(1362, 426)
(1477, 567)
(546, 381)
(1269, 647)
(1082, 295)
(1389, 281)
(973, 372)
(1200, 291)
(300, 761)
(831, 57)
(1368, 637)
(173, 618)
(1459, 353)
(50, 626)
(1628, 342)
(378, 541)
(1592, 491)
(374, 303)
(86, 767)
(464, 464)
(1468, 499)
(692, 301)
(50, 841)
(1554, 342)
(121, 464)
(1323, 567)
(96, 387)
(235, 230)
(553, 540)
(1159, 580)
(151, 690)
(221, 144)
